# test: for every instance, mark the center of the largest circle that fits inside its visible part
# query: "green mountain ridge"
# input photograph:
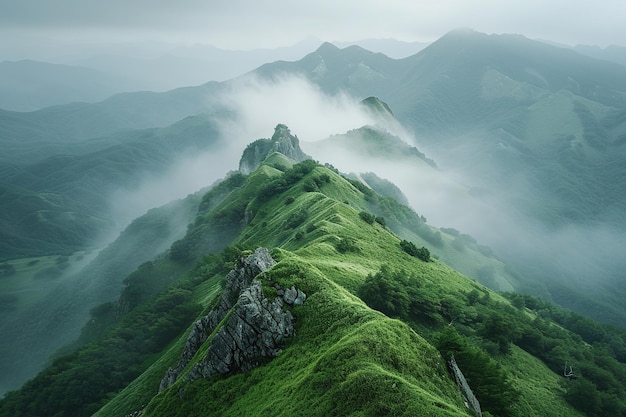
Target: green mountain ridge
(332, 239)
(535, 131)
(106, 272)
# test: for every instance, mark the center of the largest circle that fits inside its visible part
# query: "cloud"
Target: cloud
(259, 105)
(248, 24)
(188, 174)
(583, 255)
(252, 107)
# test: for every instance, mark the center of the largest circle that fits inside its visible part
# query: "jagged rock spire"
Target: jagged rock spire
(282, 141)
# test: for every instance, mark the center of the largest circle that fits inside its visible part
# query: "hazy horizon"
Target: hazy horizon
(243, 24)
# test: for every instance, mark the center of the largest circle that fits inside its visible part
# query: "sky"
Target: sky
(249, 24)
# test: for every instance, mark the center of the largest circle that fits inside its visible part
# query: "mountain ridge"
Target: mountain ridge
(503, 128)
(344, 358)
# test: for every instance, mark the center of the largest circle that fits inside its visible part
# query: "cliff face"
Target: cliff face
(255, 329)
(282, 141)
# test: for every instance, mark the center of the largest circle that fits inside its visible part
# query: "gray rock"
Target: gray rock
(290, 295)
(300, 299)
(235, 282)
(294, 296)
(255, 329)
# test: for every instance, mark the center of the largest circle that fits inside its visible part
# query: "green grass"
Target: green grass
(345, 358)
(541, 388)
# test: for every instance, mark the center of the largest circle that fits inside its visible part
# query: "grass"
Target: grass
(340, 344)
(541, 386)
(345, 358)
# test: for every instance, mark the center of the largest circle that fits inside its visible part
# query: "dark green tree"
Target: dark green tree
(386, 291)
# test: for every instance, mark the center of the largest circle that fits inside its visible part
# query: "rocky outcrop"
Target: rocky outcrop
(255, 329)
(282, 141)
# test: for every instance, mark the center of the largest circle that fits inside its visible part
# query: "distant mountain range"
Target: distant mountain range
(520, 144)
(31, 85)
(611, 53)
(90, 75)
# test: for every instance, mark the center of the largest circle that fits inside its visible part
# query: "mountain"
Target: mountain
(393, 48)
(30, 136)
(527, 140)
(62, 203)
(318, 308)
(47, 300)
(148, 65)
(534, 131)
(31, 85)
(611, 53)
(162, 67)
(404, 167)
(282, 141)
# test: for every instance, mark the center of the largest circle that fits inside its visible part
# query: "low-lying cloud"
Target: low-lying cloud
(291, 100)
(586, 254)
(250, 108)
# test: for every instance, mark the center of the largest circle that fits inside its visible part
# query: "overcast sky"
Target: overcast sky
(249, 24)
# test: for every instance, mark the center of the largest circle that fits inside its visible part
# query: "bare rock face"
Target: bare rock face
(256, 328)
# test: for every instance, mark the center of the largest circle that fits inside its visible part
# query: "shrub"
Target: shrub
(366, 217)
(296, 218)
(487, 378)
(410, 248)
(423, 254)
(181, 250)
(310, 186)
(386, 291)
(399, 294)
(347, 244)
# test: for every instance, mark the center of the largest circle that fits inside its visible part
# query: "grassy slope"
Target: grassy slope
(345, 358)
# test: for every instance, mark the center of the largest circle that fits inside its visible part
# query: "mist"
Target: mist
(257, 105)
(250, 109)
(584, 256)
(292, 100)
(188, 174)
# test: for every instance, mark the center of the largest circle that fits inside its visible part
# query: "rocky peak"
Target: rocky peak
(282, 141)
(247, 326)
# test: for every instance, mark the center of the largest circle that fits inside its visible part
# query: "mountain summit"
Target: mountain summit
(282, 141)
